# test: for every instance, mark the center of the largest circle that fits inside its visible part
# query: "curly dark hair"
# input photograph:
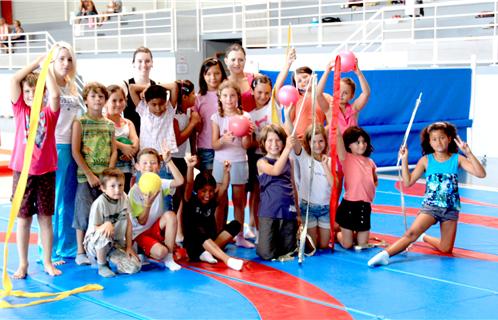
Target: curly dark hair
(449, 129)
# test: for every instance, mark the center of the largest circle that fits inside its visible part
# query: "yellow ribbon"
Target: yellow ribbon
(275, 117)
(16, 204)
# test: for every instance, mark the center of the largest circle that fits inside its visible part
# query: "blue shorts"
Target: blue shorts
(319, 215)
(206, 158)
(440, 214)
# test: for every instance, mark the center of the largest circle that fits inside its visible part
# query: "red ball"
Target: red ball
(239, 126)
(288, 95)
(348, 61)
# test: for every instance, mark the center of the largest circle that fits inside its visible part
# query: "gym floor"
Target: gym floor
(420, 283)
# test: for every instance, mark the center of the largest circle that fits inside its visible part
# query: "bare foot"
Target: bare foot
(52, 270)
(21, 272)
(58, 262)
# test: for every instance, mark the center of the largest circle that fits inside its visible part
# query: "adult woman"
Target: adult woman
(235, 60)
(142, 63)
(64, 69)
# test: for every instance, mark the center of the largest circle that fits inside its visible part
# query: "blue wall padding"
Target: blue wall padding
(446, 97)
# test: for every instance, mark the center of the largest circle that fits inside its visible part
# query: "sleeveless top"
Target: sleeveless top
(276, 194)
(96, 144)
(441, 183)
(129, 112)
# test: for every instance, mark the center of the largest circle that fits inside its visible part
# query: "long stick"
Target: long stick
(302, 239)
(405, 139)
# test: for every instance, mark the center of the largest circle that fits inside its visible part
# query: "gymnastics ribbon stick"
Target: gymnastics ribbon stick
(16, 204)
(275, 112)
(334, 107)
(304, 230)
(398, 162)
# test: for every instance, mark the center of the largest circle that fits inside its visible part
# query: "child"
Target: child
(154, 228)
(231, 148)
(278, 220)
(301, 79)
(184, 123)
(94, 150)
(261, 116)
(440, 162)
(318, 197)
(202, 196)
(348, 116)
(40, 187)
(109, 228)
(211, 75)
(156, 116)
(125, 133)
(360, 180)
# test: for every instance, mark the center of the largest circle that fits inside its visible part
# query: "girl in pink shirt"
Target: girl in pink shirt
(206, 104)
(360, 181)
(233, 148)
(350, 110)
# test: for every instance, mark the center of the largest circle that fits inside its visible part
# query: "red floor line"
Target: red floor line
(33, 237)
(422, 247)
(467, 218)
(276, 305)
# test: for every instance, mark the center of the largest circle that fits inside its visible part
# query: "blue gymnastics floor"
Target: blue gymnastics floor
(418, 284)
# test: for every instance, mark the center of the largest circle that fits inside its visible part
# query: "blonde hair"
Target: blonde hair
(233, 85)
(70, 78)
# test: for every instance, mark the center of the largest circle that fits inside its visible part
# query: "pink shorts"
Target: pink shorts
(147, 239)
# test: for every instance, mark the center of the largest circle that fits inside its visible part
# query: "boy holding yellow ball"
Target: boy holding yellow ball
(154, 227)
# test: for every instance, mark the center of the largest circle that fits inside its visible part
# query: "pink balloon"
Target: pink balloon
(348, 61)
(288, 95)
(239, 126)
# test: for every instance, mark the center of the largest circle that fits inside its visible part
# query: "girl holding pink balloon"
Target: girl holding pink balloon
(350, 110)
(231, 137)
(287, 96)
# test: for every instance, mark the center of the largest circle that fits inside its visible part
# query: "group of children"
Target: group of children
(114, 219)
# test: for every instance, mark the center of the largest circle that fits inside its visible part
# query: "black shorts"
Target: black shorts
(354, 215)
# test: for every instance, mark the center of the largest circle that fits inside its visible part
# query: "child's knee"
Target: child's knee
(169, 217)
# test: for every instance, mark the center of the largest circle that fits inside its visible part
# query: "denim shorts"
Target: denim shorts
(319, 215)
(440, 214)
(206, 158)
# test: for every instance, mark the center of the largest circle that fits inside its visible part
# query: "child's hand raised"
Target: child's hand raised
(165, 151)
(291, 56)
(191, 161)
(290, 142)
(226, 167)
(403, 153)
(195, 118)
(462, 145)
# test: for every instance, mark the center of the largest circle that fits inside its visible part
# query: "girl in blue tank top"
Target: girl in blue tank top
(440, 163)
(278, 217)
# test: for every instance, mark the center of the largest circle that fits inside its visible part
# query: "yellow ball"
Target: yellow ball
(149, 183)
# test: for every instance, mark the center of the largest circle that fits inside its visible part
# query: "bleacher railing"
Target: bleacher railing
(448, 32)
(124, 32)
